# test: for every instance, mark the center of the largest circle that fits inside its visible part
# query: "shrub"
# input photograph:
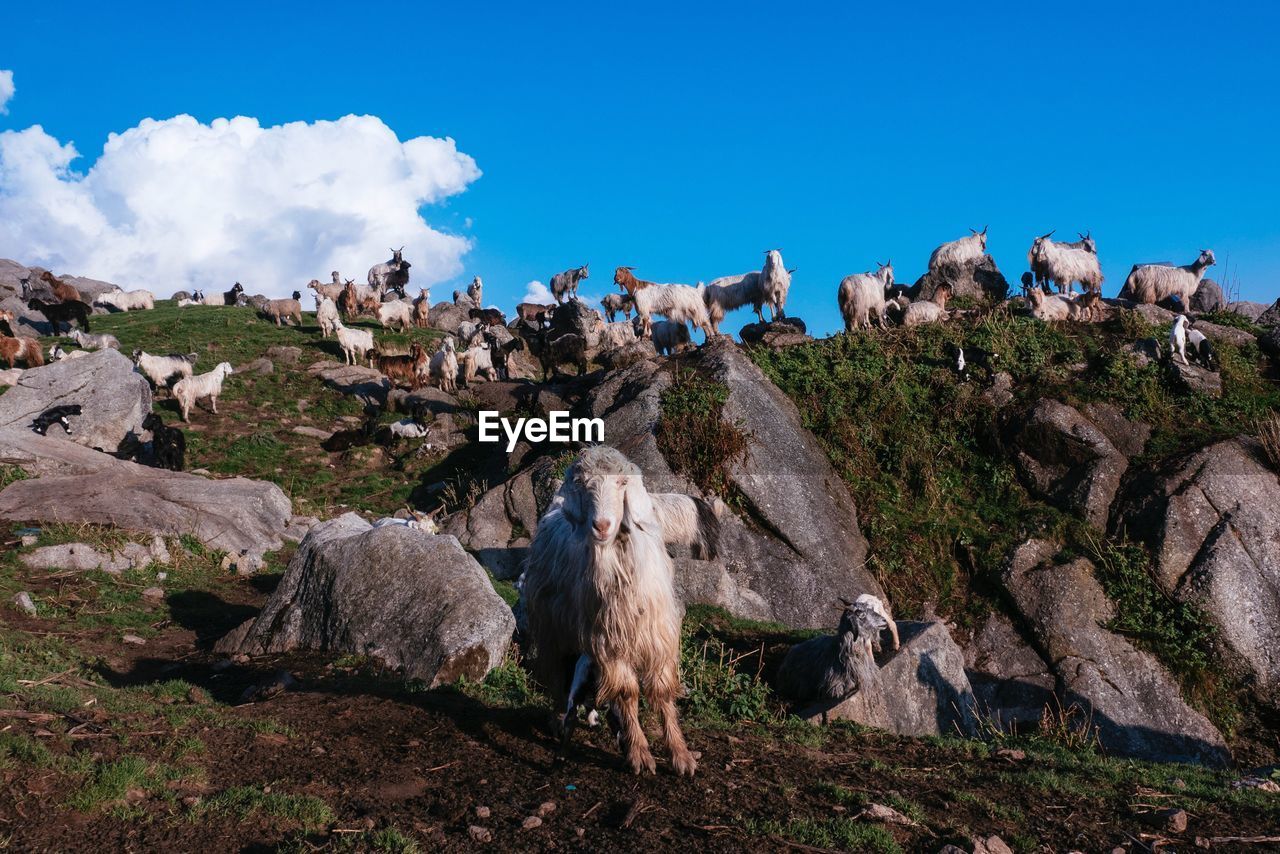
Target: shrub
(693, 434)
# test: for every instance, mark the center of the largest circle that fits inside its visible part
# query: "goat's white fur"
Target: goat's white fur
(190, 389)
(159, 369)
(327, 316)
(1152, 283)
(127, 300)
(1064, 264)
(1178, 338)
(862, 297)
(669, 337)
(356, 344)
(775, 283)
(955, 254)
(95, 341)
(444, 366)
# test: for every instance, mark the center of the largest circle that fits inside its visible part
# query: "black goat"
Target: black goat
(230, 297)
(62, 312)
(55, 415)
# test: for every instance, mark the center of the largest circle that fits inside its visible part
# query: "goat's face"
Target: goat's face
(605, 495)
(1206, 258)
(862, 621)
(586, 274)
(886, 271)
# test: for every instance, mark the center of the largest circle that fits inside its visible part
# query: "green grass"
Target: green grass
(837, 833)
(291, 810)
(112, 782)
(507, 686)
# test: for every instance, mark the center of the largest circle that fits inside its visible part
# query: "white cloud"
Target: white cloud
(177, 204)
(6, 90)
(537, 292)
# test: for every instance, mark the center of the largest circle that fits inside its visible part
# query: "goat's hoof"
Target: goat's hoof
(685, 764)
(643, 762)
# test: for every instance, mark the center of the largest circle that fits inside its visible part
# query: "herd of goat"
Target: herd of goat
(600, 610)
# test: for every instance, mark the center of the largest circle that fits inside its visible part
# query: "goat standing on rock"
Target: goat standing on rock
(565, 285)
(598, 581)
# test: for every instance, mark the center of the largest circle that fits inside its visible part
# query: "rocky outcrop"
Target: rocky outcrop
(1012, 684)
(414, 601)
(1220, 334)
(1250, 310)
(75, 484)
(980, 280)
(1208, 297)
(780, 332)
(366, 384)
(1069, 461)
(1195, 379)
(1212, 523)
(113, 398)
(922, 688)
(1270, 317)
(1125, 693)
(447, 316)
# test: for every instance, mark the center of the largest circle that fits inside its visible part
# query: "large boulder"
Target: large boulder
(1220, 334)
(1270, 317)
(1130, 698)
(447, 316)
(414, 601)
(75, 484)
(1208, 297)
(979, 280)
(1012, 684)
(791, 544)
(1195, 379)
(1068, 460)
(778, 333)
(1212, 523)
(368, 385)
(1250, 310)
(922, 688)
(113, 398)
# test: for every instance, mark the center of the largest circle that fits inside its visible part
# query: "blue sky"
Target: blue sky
(688, 141)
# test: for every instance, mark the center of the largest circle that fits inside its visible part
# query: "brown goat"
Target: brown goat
(534, 313)
(26, 349)
(411, 368)
(422, 310)
(349, 301)
(61, 290)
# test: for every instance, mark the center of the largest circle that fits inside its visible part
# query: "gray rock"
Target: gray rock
(1269, 343)
(312, 432)
(369, 386)
(1220, 334)
(1208, 297)
(415, 601)
(76, 484)
(1154, 314)
(1270, 317)
(1067, 460)
(782, 332)
(1251, 310)
(1146, 351)
(23, 602)
(1011, 683)
(257, 366)
(1001, 392)
(1126, 693)
(285, 355)
(1196, 379)
(177, 295)
(1212, 523)
(447, 316)
(922, 688)
(1128, 437)
(113, 398)
(796, 545)
(980, 280)
(76, 557)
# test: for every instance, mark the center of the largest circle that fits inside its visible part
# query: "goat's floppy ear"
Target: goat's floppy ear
(637, 506)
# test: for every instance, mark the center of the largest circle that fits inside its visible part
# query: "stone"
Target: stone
(113, 398)
(1219, 334)
(779, 333)
(1067, 460)
(1124, 692)
(78, 485)
(76, 557)
(479, 834)
(1146, 351)
(1196, 379)
(1208, 297)
(979, 280)
(1249, 310)
(1212, 522)
(923, 688)
(1128, 437)
(1001, 392)
(1270, 317)
(284, 354)
(312, 432)
(1154, 314)
(1011, 683)
(531, 822)
(369, 386)
(257, 366)
(23, 602)
(414, 601)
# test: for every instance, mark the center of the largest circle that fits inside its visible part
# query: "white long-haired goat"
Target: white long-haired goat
(356, 344)
(957, 253)
(680, 303)
(598, 582)
(775, 283)
(726, 293)
(190, 389)
(1050, 306)
(122, 300)
(1152, 283)
(932, 310)
(1066, 263)
(861, 297)
(327, 316)
(444, 366)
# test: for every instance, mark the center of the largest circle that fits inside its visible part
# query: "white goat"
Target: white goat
(356, 344)
(475, 291)
(329, 291)
(161, 369)
(417, 521)
(925, 311)
(327, 316)
(862, 297)
(680, 303)
(1178, 338)
(956, 254)
(396, 313)
(57, 354)
(727, 293)
(1152, 283)
(618, 334)
(1049, 307)
(91, 341)
(126, 300)
(190, 389)
(1065, 263)
(878, 605)
(444, 366)
(775, 283)
(669, 337)
(477, 360)
(598, 581)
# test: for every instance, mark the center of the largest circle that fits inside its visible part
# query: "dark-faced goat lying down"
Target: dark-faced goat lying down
(55, 415)
(598, 582)
(834, 667)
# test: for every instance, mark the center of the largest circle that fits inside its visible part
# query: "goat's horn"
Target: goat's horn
(1047, 236)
